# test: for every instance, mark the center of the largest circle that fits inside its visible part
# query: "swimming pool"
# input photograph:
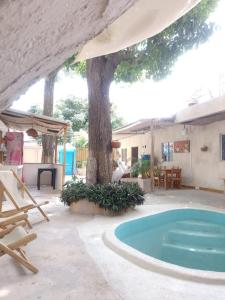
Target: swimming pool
(189, 238)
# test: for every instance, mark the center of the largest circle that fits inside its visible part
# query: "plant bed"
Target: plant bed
(144, 183)
(85, 207)
(106, 199)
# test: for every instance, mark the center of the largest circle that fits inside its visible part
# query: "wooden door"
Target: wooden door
(134, 155)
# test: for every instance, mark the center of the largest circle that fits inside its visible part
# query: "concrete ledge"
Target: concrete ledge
(145, 184)
(86, 207)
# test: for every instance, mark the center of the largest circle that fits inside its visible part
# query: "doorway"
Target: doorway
(134, 155)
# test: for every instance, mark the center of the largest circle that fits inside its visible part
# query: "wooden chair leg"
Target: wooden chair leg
(30, 196)
(18, 258)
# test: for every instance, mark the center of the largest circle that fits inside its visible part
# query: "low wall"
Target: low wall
(145, 184)
(30, 172)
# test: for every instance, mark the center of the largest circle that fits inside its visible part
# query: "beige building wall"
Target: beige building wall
(182, 160)
(32, 153)
(142, 141)
(200, 169)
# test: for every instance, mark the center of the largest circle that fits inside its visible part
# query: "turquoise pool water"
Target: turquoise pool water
(186, 237)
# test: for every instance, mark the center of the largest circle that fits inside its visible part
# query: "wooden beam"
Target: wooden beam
(64, 153)
(152, 155)
(56, 152)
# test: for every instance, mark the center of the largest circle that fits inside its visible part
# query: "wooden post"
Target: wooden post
(56, 152)
(64, 153)
(152, 155)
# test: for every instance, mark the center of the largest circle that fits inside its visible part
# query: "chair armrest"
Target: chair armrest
(8, 213)
(4, 231)
(13, 220)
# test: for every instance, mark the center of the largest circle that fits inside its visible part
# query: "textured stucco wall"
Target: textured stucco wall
(36, 36)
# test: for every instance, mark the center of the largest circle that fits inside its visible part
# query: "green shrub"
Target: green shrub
(141, 167)
(73, 191)
(114, 197)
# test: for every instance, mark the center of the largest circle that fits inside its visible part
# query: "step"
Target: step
(195, 225)
(196, 238)
(194, 257)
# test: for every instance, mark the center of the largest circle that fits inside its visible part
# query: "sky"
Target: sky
(197, 74)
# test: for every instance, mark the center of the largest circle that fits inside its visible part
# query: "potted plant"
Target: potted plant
(144, 179)
(116, 144)
(141, 173)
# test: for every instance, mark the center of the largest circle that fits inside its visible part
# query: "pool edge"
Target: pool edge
(155, 265)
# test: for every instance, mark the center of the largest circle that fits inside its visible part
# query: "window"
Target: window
(124, 155)
(167, 151)
(223, 146)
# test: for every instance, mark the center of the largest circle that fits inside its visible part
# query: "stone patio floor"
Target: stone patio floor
(75, 264)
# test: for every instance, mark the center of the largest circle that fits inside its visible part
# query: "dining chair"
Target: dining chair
(176, 178)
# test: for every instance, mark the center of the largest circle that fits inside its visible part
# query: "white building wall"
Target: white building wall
(200, 169)
(182, 160)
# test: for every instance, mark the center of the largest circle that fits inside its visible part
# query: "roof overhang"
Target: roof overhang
(23, 121)
(142, 126)
(203, 113)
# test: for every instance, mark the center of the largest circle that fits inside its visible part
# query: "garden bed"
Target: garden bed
(85, 207)
(103, 199)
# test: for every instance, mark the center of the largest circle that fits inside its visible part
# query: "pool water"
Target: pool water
(186, 237)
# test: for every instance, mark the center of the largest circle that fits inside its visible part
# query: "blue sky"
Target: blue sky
(198, 72)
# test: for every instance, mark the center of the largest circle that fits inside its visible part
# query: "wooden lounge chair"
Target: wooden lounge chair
(14, 190)
(8, 219)
(11, 241)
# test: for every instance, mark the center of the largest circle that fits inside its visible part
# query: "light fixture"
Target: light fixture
(32, 132)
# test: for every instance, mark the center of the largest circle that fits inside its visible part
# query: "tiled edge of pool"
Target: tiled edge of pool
(156, 265)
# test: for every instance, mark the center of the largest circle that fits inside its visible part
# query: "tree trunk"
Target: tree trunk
(100, 72)
(47, 140)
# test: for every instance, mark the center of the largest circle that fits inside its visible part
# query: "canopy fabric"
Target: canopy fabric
(38, 36)
(144, 19)
(23, 121)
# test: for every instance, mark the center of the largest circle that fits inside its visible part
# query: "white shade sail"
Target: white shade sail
(144, 19)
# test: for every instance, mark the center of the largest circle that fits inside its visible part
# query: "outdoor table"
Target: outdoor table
(171, 177)
(41, 170)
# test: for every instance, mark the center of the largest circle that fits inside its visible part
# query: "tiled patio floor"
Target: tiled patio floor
(75, 264)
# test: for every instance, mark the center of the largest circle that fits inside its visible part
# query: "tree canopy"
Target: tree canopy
(75, 110)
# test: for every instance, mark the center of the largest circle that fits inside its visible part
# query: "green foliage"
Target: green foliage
(116, 121)
(135, 169)
(35, 109)
(141, 167)
(113, 197)
(81, 142)
(78, 67)
(155, 57)
(74, 110)
(73, 191)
